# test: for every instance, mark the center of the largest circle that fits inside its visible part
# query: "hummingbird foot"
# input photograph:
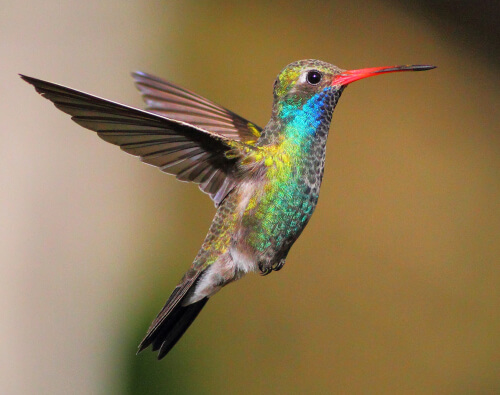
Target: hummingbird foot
(266, 268)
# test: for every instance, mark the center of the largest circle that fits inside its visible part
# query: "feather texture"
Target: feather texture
(174, 318)
(170, 100)
(185, 150)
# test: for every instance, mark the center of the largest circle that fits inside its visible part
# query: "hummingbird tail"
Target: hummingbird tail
(172, 329)
(174, 318)
(166, 335)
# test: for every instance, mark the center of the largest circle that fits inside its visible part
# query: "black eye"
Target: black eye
(313, 77)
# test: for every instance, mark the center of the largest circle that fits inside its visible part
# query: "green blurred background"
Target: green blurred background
(393, 287)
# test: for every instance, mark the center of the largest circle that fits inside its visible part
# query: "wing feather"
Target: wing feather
(170, 100)
(190, 152)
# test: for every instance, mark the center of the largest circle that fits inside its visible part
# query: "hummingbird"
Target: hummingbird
(264, 182)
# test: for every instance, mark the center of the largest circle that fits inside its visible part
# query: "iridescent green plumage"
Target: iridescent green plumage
(264, 182)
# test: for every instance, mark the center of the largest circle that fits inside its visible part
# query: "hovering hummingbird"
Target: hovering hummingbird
(264, 182)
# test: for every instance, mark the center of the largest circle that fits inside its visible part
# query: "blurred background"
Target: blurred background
(393, 286)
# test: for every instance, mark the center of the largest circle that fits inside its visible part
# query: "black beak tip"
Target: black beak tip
(408, 67)
(423, 67)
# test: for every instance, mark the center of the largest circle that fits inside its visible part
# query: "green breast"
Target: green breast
(279, 209)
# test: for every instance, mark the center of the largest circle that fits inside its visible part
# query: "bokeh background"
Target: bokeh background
(392, 288)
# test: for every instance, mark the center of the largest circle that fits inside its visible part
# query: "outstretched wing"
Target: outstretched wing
(172, 101)
(175, 147)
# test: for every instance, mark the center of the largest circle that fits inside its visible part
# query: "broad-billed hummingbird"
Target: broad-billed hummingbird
(264, 182)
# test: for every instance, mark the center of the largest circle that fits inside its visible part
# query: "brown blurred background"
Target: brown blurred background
(393, 287)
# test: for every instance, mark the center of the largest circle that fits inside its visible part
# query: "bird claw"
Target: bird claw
(265, 269)
(279, 265)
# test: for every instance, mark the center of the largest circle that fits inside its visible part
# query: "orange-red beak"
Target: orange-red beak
(349, 76)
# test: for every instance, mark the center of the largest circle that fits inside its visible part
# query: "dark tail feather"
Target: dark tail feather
(165, 336)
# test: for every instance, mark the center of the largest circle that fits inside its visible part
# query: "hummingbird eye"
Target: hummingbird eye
(314, 77)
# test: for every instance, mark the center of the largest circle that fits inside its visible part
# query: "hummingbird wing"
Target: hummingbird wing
(175, 147)
(164, 98)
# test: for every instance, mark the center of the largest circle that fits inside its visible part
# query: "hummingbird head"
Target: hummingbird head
(307, 91)
(303, 79)
(304, 98)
